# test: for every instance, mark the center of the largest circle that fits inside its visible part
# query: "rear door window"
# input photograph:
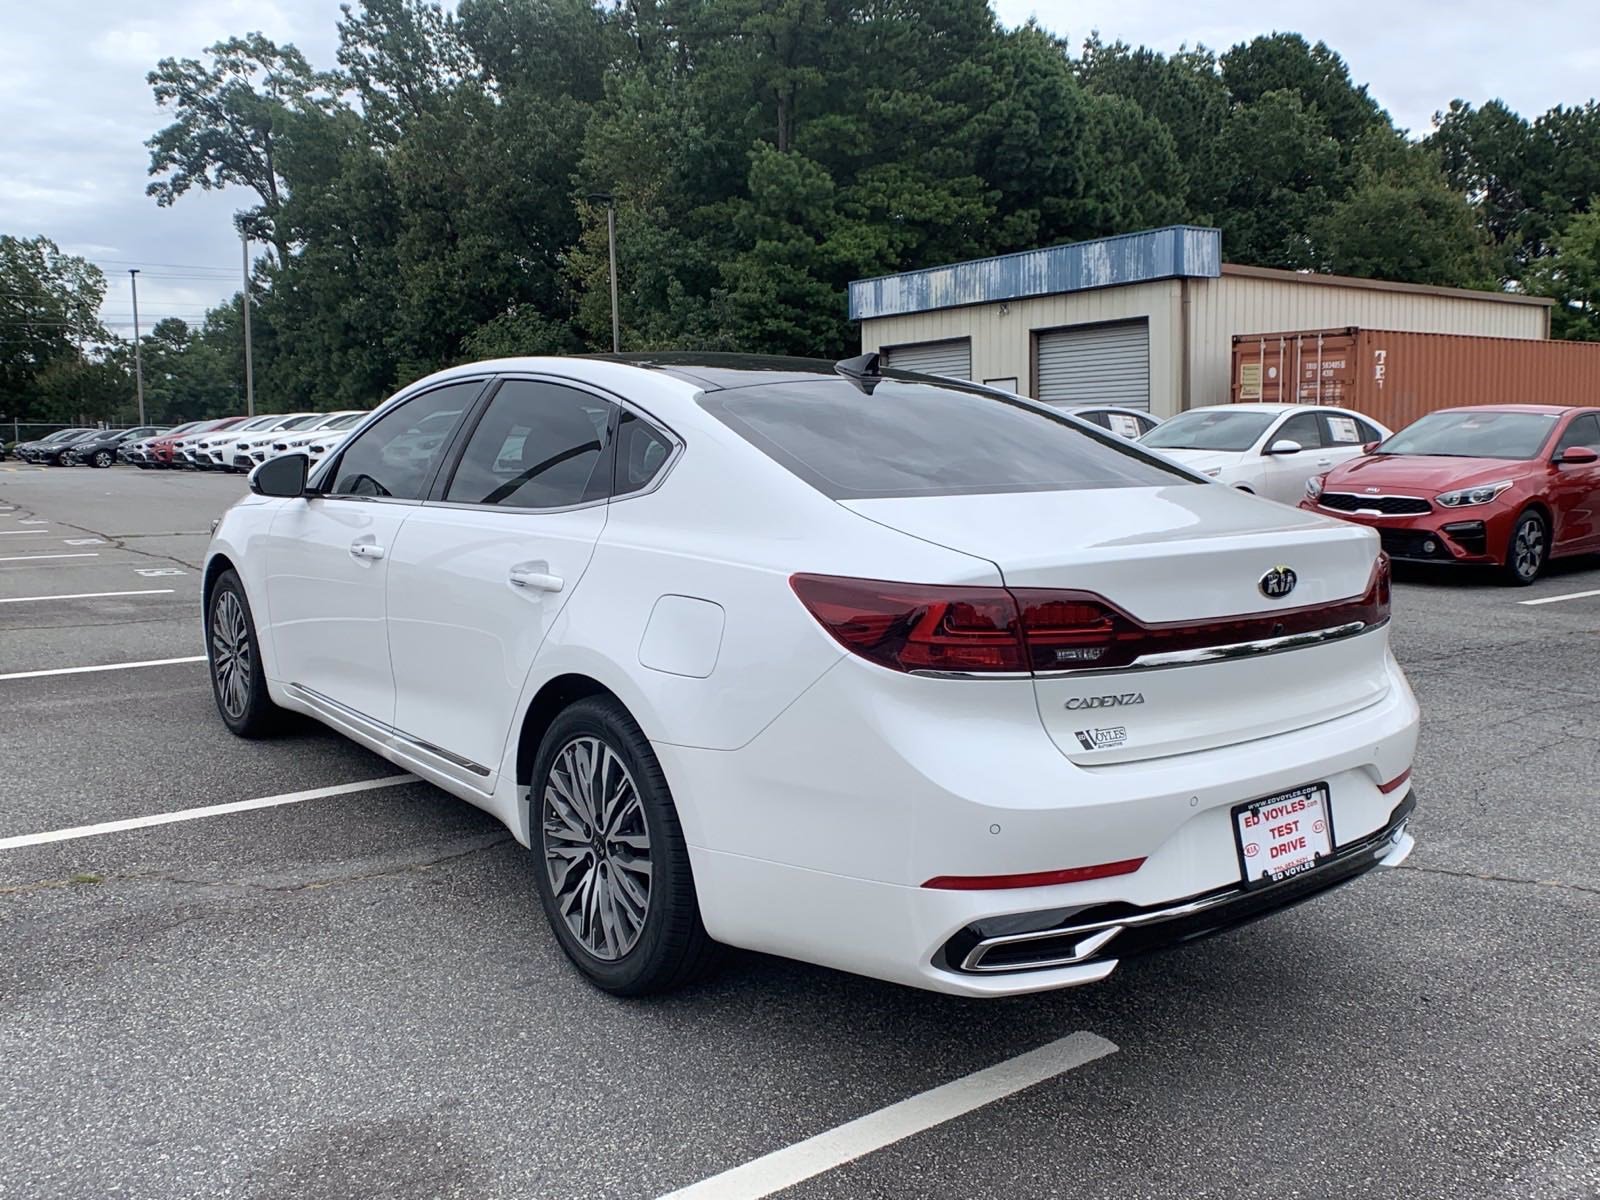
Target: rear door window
(1340, 430)
(539, 445)
(922, 439)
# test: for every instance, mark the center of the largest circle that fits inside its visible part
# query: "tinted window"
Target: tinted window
(642, 450)
(917, 439)
(1584, 431)
(1210, 429)
(1097, 417)
(397, 455)
(1305, 428)
(539, 445)
(1474, 433)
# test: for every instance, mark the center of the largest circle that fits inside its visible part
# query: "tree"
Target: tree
(1278, 174)
(1185, 93)
(1571, 276)
(1526, 179)
(400, 56)
(229, 115)
(1286, 62)
(49, 316)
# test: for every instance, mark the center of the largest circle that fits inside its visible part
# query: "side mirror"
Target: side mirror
(282, 476)
(1369, 447)
(1577, 456)
(1285, 446)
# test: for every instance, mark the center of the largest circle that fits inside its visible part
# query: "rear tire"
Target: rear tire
(238, 680)
(1528, 549)
(613, 870)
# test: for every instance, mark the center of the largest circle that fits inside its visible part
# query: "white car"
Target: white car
(1267, 449)
(315, 437)
(238, 452)
(213, 450)
(890, 674)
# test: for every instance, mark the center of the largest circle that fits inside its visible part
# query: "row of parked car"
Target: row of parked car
(220, 444)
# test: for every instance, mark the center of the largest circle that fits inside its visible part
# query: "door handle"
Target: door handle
(366, 550)
(1324, 462)
(535, 579)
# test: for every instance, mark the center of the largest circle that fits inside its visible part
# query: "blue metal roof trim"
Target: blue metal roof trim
(1166, 253)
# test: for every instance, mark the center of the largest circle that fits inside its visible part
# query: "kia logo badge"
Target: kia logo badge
(1277, 583)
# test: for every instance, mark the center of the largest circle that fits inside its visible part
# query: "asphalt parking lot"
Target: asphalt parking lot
(357, 994)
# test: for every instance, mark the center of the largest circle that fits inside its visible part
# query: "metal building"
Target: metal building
(1145, 320)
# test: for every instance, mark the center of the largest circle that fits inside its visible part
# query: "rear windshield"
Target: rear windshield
(1210, 429)
(1474, 434)
(921, 439)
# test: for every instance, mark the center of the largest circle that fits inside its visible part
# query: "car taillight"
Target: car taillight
(987, 630)
(916, 627)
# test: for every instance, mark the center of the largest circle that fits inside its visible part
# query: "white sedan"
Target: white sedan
(886, 673)
(1266, 449)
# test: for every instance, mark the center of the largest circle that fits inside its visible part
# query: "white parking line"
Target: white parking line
(87, 595)
(194, 814)
(20, 532)
(844, 1143)
(36, 557)
(126, 666)
(1559, 599)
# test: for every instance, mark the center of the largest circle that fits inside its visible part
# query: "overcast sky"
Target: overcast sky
(75, 109)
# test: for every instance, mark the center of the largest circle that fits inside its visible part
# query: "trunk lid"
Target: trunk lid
(1170, 556)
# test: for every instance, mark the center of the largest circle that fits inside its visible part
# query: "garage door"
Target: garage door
(1096, 364)
(953, 358)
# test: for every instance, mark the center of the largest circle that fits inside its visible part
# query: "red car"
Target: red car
(160, 450)
(1509, 485)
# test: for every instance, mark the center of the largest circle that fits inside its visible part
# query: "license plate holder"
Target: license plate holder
(1280, 836)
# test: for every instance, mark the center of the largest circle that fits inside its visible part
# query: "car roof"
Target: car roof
(706, 371)
(1547, 409)
(1272, 408)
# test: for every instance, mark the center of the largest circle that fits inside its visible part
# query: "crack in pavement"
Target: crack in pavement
(119, 541)
(1489, 878)
(88, 879)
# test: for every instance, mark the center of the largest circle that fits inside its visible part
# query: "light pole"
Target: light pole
(138, 358)
(244, 302)
(610, 202)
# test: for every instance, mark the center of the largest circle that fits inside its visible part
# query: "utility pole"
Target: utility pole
(610, 202)
(244, 300)
(138, 357)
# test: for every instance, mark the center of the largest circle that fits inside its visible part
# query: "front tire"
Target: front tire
(1528, 549)
(103, 459)
(238, 680)
(613, 870)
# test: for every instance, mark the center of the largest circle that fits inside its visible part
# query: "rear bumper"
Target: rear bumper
(1108, 933)
(820, 854)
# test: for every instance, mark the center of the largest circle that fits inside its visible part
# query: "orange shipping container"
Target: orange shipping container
(1397, 377)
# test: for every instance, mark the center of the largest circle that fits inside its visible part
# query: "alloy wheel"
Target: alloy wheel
(231, 659)
(1527, 547)
(596, 848)
(103, 459)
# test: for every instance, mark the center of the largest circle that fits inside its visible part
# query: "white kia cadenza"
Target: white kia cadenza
(890, 673)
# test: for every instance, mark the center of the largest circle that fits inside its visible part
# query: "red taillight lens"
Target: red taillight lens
(912, 627)
(928, 627)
